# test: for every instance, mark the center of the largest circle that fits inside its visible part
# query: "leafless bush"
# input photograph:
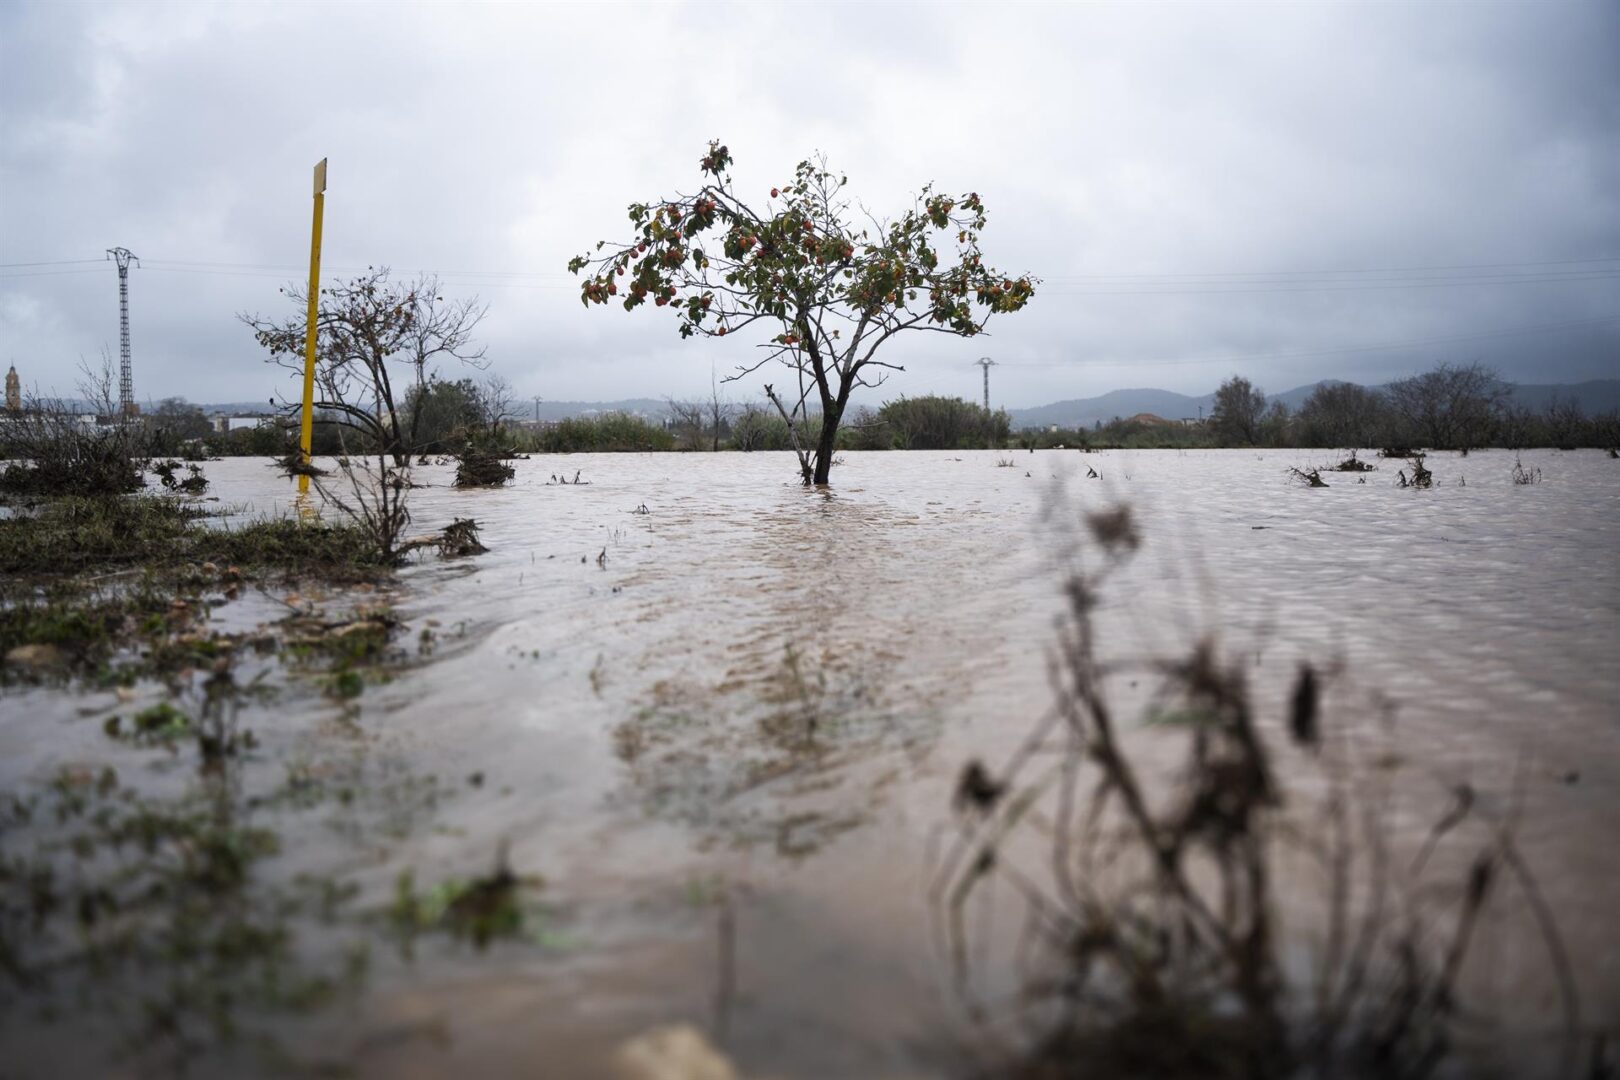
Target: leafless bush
(1421, 476)
(686, 422)
(57, 451)
(1521, 475)
(371, 494)
(1153, 941)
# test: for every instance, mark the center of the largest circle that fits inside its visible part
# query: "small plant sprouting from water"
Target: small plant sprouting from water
(481, 909)
(799, 699)
(1421, 476)
(1153, 945)
(1523, 476)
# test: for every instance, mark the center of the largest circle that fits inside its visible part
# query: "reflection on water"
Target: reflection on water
(722, 716)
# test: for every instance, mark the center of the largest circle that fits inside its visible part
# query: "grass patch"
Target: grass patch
(74, 633)
(76, 534)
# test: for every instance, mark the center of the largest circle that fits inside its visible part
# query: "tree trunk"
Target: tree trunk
(826, 445)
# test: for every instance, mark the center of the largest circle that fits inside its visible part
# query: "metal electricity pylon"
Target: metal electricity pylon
(986, 363)
(126, 380)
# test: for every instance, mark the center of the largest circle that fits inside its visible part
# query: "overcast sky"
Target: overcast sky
(1281, 190)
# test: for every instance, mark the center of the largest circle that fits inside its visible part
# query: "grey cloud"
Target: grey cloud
(1109, 141)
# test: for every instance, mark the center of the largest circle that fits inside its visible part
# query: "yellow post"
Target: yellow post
(307, 428)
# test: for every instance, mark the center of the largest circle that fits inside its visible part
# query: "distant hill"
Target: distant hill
(1594, 397)
(1084, 412)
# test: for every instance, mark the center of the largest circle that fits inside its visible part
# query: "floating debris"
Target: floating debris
(292, 463)
(1353, 464)
(478, 468)
(1309, 479)
(457, 539)
(193, 484)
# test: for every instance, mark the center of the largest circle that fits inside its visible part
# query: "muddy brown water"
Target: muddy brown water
(634, 670)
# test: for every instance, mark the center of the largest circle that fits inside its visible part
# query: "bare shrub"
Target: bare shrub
(1421, 476)
(1522, 476)
(55, 451)
(372, 495)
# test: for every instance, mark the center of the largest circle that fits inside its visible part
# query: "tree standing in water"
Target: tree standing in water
(831, 291)
(1239, 410)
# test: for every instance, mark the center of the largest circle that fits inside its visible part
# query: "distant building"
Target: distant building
(13, 390)
(224, 423)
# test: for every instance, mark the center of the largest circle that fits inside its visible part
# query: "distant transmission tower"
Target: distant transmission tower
(126, 382)
(986, 363)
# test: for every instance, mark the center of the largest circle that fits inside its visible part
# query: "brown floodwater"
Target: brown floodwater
(722, 716)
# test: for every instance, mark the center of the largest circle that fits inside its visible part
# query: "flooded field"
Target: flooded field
(712, 722)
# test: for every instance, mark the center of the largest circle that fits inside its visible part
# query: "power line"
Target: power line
(51, 273)
(397, 269)
(1366, 286)
(462, 279)
(1343, 270)
(1218, 278)
(444, 279)
(61, 262)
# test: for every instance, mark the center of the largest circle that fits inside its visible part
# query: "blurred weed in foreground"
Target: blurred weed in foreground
(1153, 945)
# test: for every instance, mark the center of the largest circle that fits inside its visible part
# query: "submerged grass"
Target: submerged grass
(72, 534)
(78, 633)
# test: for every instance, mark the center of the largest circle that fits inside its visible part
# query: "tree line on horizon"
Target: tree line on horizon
(1450, 407)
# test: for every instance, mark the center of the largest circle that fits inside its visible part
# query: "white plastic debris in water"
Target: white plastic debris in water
(672, 1052)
